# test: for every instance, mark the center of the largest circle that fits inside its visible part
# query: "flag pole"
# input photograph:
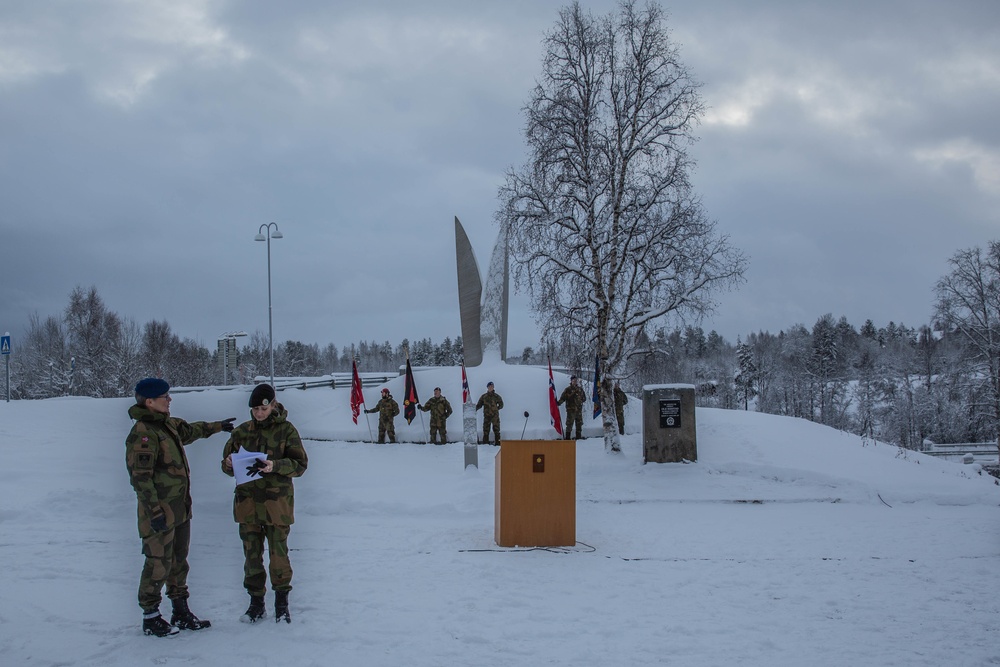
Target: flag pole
(554, 417)
(423, 428)
(370, 436)
(411, 387)
(470, 442)
(596, 398)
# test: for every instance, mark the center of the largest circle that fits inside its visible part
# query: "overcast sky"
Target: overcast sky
(849, 150)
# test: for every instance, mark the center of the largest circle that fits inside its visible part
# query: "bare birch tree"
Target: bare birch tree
(968, 304)
(605, 228)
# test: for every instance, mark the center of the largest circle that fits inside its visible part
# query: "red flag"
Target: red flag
(553, 405)
(357, 398)
(465, 385)
(410, 399)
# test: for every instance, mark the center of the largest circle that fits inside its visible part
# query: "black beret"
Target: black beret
(263, 394)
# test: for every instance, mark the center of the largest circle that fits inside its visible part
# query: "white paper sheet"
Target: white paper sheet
(242, 459)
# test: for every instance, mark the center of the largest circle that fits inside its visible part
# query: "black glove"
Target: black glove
(158, 522)
(254, 470)
(227, 424)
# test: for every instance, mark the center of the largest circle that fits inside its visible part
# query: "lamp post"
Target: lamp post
(261, 236)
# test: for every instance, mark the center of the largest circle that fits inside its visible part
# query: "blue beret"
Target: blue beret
(151, 387)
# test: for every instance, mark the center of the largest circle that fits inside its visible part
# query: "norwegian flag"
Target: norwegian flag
(357, 398)
(466, 394)
(556, 419)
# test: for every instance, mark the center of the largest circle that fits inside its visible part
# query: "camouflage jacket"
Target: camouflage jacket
(157, 465)
(491, 403)
(387, 408)
(621, 399)
(269, 500)
(439, 407)
(573, 397)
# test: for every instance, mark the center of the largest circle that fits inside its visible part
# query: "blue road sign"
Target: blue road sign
(5, 344)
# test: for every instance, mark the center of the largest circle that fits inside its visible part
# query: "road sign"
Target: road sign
(5, 349)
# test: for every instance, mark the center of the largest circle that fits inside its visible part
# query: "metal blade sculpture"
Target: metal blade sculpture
(483, 312)
(470, 290)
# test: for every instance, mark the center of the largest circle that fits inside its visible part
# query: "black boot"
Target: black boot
(255, 611)
(281, 607)
(184, 619)
(155, 625)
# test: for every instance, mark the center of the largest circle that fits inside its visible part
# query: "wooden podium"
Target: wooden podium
(536, 493)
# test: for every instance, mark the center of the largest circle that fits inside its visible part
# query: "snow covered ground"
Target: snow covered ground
(787, 543)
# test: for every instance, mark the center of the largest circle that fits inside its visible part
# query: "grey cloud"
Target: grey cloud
(849, 149)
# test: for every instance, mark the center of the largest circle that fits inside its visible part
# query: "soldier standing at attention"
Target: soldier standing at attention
(440, 410)
(574, 399)
(387, 409)
(492, 403)
(265, 507)
(621, 399)
(159, 472)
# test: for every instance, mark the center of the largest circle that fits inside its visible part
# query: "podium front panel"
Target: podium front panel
(535, 493)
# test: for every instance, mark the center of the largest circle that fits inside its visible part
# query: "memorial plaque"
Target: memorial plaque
(670, 413)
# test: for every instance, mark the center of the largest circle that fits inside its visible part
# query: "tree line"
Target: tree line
(92, 351)
(895, 383)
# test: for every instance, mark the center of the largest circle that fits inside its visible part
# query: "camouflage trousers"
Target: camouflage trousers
(386, 426)
(620, 417)
(574, 417)
(437, 428)
(494, 421)
(166, 563)
(254, 574)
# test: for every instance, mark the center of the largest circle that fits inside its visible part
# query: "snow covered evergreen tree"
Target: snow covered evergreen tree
(746, 378)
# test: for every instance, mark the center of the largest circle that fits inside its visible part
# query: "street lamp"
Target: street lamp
(261, 236)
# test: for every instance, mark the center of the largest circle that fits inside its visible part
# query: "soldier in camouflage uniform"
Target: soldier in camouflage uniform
(440, 410)
(159, 472)
(264, 507)
(492, 403)
(621, 399)
(574, 398)
(387, 409)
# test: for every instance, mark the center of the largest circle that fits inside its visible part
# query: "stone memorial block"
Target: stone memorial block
(668, 428)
